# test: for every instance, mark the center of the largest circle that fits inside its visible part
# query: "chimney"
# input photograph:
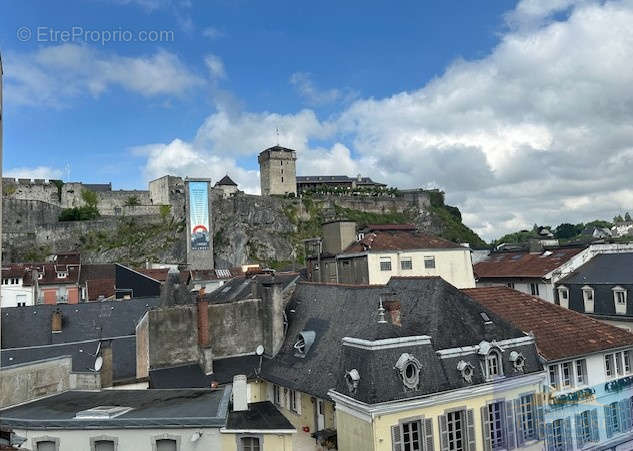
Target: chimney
(106, 367)
(393, 307)
(56, 321)
(172, 292)
(240, 400)
(203, 319)
(273, 315)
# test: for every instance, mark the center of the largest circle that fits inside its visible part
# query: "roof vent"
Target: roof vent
(102, 412)
(304, 342)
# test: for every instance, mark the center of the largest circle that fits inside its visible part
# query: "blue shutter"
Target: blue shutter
(428, 434)
(569, 445)
(549, 432)
(579, 437)
(540, 417)
(595, 429)
(625, 415)
(472, 440)
(443, 433)
(485, 426)
(518, 417)
(607, 420)
(510, 431)
(396, 438)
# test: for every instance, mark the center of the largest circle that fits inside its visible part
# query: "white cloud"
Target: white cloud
(38, 172)
(53, 76)
(305, 86)
(212, 33)
(539, 130)
(215, 66)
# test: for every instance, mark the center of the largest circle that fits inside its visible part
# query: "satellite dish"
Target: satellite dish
(195, 437)
(259, 350)
(98, 363)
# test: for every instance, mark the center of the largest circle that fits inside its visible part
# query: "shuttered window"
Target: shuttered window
(494, 426)
(457, 431)
(526, 418)
(413, 436)
(583, 428)
(612, 419)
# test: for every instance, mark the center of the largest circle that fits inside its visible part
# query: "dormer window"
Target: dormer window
(518, 361)
(62, 274)
(587, 296)
(492, 366)
(466, 370)
(619, 298)
(409, 370)
(563, 297)
(304, 343)
(352, 378)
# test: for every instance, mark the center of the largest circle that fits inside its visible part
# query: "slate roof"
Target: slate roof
(150, 409)
(277, 148)
(609, 269)
(226, 180)
(392, 240)
(325, 179)
(246, 287)
(260, 416)
(192, 375)
(26, 333)
(429, 306)
(560, 333)
(524, 263)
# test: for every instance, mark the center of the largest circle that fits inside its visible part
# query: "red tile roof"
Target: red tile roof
(560, 333)
(159, 274)
(524, 264)
(399, 240)
(14, 271)
(99, 287)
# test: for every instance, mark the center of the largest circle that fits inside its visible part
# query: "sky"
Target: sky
(521, 111)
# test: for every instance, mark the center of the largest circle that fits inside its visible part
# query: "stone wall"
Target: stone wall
(27, 189)
(172, 336)
(235, 328)
(23, 215)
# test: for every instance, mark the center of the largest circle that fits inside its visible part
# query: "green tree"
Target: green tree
(132, 201)
(627, 217)
(567, 230)
(618, 218)
(90, 198)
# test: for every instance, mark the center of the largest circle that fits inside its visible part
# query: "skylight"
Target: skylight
(102, 412)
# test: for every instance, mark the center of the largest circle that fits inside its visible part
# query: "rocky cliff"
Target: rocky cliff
(246, 228)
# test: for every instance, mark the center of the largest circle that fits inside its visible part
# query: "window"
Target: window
(429, 262)
(295, 401)
(106, 445)
(406, 264)
(618, 363)
(583, 427)
(409, 368)
(612, 417)
(553, 377)
(282, 180)
(493, 364)
(276, 395)
(527, 417)
(587, 295)
(510, 285)
(566, 372)
(558, 437)
(494, 424)
(627, 361)
(249, 444)
(609, 365)
(534, 289)
(619, 298)
(581, 372)
(385, 263)
(411, 439)
(563, 297)
(456, 431)
(46, 445)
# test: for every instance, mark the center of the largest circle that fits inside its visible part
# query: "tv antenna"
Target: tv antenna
(277, 132)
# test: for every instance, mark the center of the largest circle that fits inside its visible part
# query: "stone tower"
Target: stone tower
(278, 171)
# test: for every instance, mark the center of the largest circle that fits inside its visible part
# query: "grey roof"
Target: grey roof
(31, 326)
(27, 335)
(603, 269)
(192, 376)
(261, 416)
(247, 287)
(324, 179)
(150, 409)
(429, 306)
(226, 180)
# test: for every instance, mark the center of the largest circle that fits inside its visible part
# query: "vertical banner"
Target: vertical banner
(199, 215)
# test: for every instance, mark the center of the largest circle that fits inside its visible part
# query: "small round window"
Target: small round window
(409, 370)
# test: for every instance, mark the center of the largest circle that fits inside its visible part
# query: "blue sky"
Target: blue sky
(486, 100)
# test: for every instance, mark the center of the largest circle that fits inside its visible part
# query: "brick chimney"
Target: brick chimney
(204, 347)
(393, 307)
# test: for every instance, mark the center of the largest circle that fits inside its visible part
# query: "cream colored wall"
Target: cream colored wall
(272, 442)
(130, 439)
(257, 391)
(453, 265)
(355, 434)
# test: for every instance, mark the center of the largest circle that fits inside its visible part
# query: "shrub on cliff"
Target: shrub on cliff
(84, 213)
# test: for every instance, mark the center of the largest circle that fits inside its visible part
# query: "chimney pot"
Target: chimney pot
(393, 307)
